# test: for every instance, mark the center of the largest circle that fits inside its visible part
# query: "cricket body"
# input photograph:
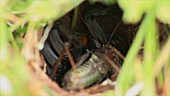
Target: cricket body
(96, 68)
(92, 71)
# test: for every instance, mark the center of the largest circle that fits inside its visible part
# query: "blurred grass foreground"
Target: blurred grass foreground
(20, 73)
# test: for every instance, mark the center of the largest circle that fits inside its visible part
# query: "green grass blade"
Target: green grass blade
(127, 68)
